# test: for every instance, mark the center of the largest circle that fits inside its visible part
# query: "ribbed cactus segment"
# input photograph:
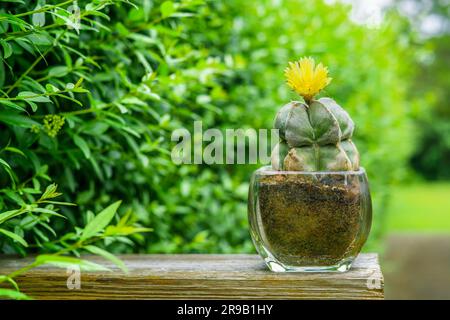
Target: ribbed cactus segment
(317, 158)
(314, 137)
(352, 153)
(293, 122)
(326, 128)
(345, 122)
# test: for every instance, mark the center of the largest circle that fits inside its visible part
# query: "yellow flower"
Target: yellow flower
(306, 78)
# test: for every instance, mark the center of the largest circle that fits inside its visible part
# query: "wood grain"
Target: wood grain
(198, 276)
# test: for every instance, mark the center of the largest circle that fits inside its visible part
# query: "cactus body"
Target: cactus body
(314, 137)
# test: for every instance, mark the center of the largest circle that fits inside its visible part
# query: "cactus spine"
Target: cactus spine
(315, 135)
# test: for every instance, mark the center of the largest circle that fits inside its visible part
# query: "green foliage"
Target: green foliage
(93, 109)
(30, 217)
(113, 98)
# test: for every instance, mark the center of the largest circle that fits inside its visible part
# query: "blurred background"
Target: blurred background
(415, 245)
(161, 65)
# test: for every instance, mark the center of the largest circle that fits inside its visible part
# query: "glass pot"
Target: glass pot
(309, 221)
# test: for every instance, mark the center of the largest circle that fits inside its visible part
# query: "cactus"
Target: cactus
(315, 135)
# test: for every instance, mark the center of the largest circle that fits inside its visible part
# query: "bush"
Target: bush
(93, 111)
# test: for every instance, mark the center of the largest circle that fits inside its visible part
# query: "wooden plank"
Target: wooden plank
(200, 276)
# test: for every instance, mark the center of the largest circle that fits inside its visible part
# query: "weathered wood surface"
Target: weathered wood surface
(196, 276)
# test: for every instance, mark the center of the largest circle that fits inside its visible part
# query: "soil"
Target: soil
(308, 221)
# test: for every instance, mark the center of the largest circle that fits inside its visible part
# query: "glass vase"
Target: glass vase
(309, 221)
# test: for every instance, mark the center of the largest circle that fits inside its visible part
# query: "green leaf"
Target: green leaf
(14, 196)
(12, 105)
(182, 15)
(32, 96)
(33, 84)
(109, 256)
(121, 107)
(10, 280)
(147, 6)
(40, 234)
(68, 262)
(80, 90)
(14, 20)
(38, 19)
(123, 221)
(133, 100)
(13, 294)
(167, 8)
(26, 44)
(49, 228)
(51, 88)
(95, 128)
(5, 164)
(14, 236)
(96, 168)
(60, 203)
(10, 214)
(58, 71)
(48, 211)
(2, 73)
(69, 98)
(15, 150)
(8, 169)
(16, 119)
(124, 230)
(82, 144)
(33, 105)
(7, 49)
(100, 221)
